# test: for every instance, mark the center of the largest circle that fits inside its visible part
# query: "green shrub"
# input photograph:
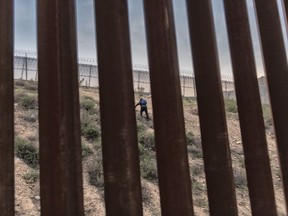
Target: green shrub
(19, 94)
(19, 82)
(240, 179)
(86, 150)
(30, 116)
(27, 152)
(31, 86)
(148, 167)
(90, 131)
(31, 177)
(231, 106)
(190, 138)
(141, 149)
(267, 116)
(87, 103)
(198, 187)
(147, 140)
(141, 128)
(88, 118)
(95, 171)
(196, 170)
(28, 102)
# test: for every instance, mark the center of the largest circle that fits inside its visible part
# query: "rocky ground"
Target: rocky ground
(27, 172)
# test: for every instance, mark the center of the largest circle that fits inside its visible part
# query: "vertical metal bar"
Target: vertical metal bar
(194, 86)
(119, 137)
(59, 122)
(36, 76)
(184, 82)
(90, 72)
(26, 66)
(285, 11)
(275, 61)
(138, 89)
(215, 143)
(23, 67)
(6, 109)
(250, 110)
(171, 147)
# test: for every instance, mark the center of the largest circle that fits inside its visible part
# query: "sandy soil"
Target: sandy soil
(27, 194)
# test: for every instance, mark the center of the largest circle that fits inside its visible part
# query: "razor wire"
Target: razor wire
(26, 61)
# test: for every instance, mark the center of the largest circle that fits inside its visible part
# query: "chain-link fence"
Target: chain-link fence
(25, 67)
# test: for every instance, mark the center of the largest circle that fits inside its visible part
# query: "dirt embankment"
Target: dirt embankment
(27, 176)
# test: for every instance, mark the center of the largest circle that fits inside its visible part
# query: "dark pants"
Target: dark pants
(144, 109)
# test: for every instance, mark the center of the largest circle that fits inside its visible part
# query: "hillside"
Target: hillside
(27, 167)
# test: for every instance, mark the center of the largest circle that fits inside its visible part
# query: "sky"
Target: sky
(25, 32)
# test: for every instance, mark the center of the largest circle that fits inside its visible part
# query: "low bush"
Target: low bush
(148, 167)
(90, 131)
(19, 83)
(86, 150)
(28, 101)
(231, 106)
(31, 85)
(87, 103)
(30, 116)
(267, 116)
(141, 128)
(196, 170)
(240, 179)
(95, 171)
(190, 138)
(31, 177)
(27, 152)
(147, 139)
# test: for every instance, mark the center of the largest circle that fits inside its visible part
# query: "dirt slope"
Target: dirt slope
(27, 182)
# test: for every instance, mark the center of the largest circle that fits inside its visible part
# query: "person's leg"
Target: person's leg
(141, 111)
(146, 112)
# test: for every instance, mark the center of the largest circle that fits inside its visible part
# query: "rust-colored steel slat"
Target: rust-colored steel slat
(215, 143)
(171, 146)
(285, 9)
(6, 109)
(59, 121)
(118, 121)
(250, 109)
(275, 61)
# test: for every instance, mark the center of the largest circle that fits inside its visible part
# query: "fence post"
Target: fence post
(184, 81)
(215, 141)
(275, 61)
(194, 87)
(170, 139)
(59, 121)
(7, 193)
(26, 66)
(252, 126)
(23, 67)
(90, 71)
(138, 81)
(119, 139)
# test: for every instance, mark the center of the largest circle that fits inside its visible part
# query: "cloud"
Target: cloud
(25, 24)
(25, 31)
